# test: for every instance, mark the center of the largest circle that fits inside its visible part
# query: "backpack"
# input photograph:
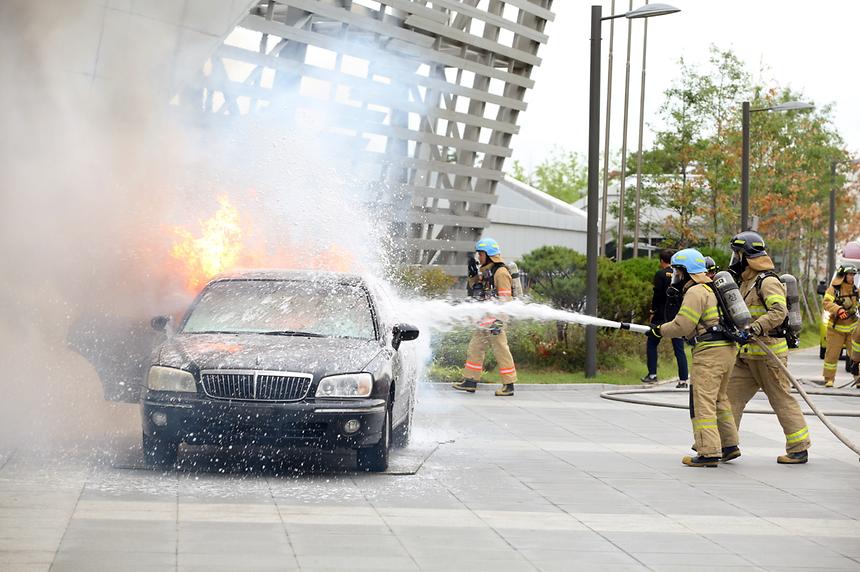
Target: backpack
(792, 324)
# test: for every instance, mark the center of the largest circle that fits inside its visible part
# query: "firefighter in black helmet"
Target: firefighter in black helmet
(764, 295)
(840, 302)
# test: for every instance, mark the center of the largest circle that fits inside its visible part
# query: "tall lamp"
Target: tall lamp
(594, 168)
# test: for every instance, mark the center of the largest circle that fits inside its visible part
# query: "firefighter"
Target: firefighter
(665, 302)
(840, 301)
(712, 267)
(698, 321)
(493, 281)
(855, 356)
(764, 294)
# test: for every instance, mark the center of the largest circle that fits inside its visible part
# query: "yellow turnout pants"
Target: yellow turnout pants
(481, 341)
(710, 409)
(748, 377)
(855, 344)
(836, 340)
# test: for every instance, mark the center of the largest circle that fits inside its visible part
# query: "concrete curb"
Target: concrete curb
(566, 386)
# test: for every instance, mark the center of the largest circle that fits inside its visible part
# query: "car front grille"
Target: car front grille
(250, 385)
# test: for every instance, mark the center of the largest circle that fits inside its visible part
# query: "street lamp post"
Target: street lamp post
(639, 155)
(746, 111)
(593, 169)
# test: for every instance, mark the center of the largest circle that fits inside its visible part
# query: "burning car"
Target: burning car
(284, 358)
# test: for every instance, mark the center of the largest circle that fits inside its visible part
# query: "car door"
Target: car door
(404, 383)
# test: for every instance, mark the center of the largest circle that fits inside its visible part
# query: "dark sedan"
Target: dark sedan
(284, 359)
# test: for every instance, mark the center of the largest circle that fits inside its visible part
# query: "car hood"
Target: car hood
(320, 356)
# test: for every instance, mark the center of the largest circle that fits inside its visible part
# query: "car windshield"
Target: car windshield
(283, 307)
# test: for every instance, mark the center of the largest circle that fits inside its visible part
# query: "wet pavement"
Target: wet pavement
(552, 479)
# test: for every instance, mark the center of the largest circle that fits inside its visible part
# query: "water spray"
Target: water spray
(440, 314)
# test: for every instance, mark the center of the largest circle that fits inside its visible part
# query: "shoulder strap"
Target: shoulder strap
(759, 279)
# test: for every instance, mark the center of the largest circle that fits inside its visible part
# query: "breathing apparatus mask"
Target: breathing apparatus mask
(738, 263)
(679, 278)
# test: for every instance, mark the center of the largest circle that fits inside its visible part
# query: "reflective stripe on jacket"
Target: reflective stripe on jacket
(698, 313)
(768, 310)
(845, 298)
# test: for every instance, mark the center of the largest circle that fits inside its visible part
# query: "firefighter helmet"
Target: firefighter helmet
(488, 245)
(711, 264)
(690, 260)
(846, 269)
(750, 243)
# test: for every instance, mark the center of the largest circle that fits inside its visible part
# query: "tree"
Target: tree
(694, 165)
(564, 175)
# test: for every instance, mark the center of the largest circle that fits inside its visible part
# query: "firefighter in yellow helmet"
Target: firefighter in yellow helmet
(698, 321)
(764, 295)
(840, 301)
(493, 280)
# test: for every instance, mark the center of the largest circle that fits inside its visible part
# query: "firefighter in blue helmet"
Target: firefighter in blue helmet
(492, 281)
(698, 321)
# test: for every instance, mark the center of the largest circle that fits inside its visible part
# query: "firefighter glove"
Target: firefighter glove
(655, 332)
(756, 329)
(473, 267)
(842, 314)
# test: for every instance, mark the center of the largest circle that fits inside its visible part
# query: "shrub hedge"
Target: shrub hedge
(556, 275)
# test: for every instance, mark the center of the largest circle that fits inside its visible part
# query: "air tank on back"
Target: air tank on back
(792, 296)
(734, 303)
(516, 282)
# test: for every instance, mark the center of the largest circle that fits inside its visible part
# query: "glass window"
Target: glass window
(320, 308)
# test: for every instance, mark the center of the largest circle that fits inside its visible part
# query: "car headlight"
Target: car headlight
(348, 385)
(162, 378)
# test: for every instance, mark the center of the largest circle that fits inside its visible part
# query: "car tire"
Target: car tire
(821, 352)
(375, 459)
(159, 452)
(403, 432)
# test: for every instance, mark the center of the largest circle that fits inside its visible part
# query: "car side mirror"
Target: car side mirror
(159, 323)
(403, 333)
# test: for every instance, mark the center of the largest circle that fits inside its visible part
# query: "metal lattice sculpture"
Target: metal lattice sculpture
(440, 82)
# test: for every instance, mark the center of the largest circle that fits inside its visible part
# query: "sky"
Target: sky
(809, 46)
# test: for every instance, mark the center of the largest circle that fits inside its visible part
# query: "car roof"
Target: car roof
(282, 274)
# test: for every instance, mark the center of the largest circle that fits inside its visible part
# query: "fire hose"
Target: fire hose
(612, 395)
(845, 440)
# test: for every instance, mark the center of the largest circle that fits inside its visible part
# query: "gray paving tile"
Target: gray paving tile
(692, 560)
(666, 543)
(357, 563)
(79, 560)
(238, 560)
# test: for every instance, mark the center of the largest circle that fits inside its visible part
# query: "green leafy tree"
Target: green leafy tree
(563, 174)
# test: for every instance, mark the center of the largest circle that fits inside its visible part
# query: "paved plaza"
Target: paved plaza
(552, 479)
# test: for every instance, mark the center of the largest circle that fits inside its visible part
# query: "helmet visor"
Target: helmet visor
(736, 260)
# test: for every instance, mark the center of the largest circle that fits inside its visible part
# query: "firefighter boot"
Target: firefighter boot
(468, 385)
(700, 461)
(793, 458)
(730, 453)
(506, 390)
(828, 383)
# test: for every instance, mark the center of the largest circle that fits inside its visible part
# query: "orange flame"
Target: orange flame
(222, 245)
(217, 249)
